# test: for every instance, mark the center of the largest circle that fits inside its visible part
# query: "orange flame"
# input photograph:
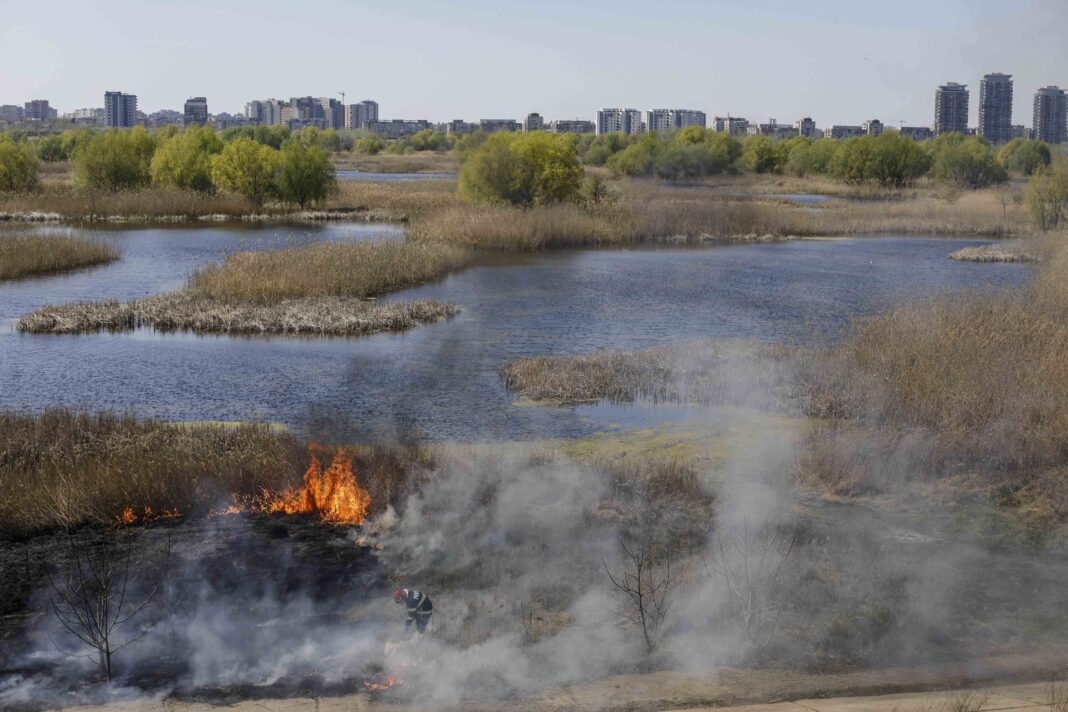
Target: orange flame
(384, 683)
(129, 516)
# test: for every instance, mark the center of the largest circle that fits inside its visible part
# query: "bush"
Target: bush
(810, 157)
(522, 169)
(1023, 156)
(369, 145)
(50, 149)
(184, 161)
(693, 152)
(114, 160)
(760, 155)
(965, 162)
(1047, 195)
(247, 168)
(305, 174)
(18, 167)
(890, 159)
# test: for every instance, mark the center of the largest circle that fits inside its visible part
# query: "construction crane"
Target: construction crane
(342, 95)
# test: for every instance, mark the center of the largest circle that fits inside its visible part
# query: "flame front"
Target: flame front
(384, 683)
(333, 494)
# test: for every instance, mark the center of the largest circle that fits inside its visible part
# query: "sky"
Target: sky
(838, 61)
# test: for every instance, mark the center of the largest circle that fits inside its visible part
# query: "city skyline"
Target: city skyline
(838, 63)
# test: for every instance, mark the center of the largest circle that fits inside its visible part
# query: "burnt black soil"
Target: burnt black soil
(257, 563)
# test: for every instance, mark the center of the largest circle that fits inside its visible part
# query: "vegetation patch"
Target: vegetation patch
(28, 255)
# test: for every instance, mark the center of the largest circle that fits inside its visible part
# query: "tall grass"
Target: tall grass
(326, 270)
(421, 162)
(147, 203)
(26, 255)
(62, 468)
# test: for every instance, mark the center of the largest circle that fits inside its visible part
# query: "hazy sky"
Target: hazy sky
(839, 61)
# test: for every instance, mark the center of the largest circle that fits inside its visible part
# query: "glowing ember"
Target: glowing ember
(384, 683)
(129, 516)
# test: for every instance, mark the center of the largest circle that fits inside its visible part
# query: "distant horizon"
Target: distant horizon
(833, 61)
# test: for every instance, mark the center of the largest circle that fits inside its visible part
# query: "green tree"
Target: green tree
(114, 160)
(1047, 195)
(759, 155)
(184, 160)
(247, 168)
(305, 174)
(637, 159)
(50, 149)
(895, 160)
(965, 162)
(811, 157)
(18, 167)
(1024, 156)
(369, 145)
(525, 169)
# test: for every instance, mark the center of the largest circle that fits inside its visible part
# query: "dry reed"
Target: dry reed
(145, 204)
(63, 468)
(316, 316)
(421, 162)
(27, 255)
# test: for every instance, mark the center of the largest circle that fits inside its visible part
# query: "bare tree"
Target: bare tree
(104, 587)
(646, 585)
(751, 563)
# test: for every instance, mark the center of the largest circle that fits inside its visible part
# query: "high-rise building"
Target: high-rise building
(659, 120)
(805, 127)
(333, 113)
(534, 122)
(39, 110)
(684, 118)
(459, 127)
(995, 108)
(873, 127)
(951, 108)
(1051, 115)
(844, 132)
(196, 111)
(628, 121)
(120, 110)
(573, 126)
(732, 125)
(266, 112)
(11, 113)
(357, 116)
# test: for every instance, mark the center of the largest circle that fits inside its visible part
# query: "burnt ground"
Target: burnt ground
(271, 576)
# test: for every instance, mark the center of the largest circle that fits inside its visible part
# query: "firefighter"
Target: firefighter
(420, 608)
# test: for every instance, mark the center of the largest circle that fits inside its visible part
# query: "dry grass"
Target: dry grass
(351, 269)
(63, 468)
(421, 162)
(1013, 252)
(507, 228)
(147, 204)
(409, 200)
(26, 255)
(317, 316)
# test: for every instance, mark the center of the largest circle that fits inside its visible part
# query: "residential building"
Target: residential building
(917, 133)
(628, 121)
(534, 122)
(333, 113)
(265, 112)
(732, 125)
(1051, 118)
(684, 118)
(844, 132)
(495, 125)
(459, 127)
(11, 113)
(120, 110)
(873, 127)
(357, 116)
(196, 111)
(1022, 132)
(951, 108)
(660, 120)
(397, 128)
(224, 121)
(805, 127)
(303, 111)
(39, 110)
(163, 117)
(774, 129)
(995, 108)
(573, 126)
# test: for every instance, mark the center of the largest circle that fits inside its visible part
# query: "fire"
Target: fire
(384, 683)
(129, 516)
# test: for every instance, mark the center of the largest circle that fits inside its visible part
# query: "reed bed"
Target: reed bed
(146, 204)
(405, 201)
(28, 255)
(65, 468)
(316, 316)
(1012, 252)
(351, 269)
(421, 162)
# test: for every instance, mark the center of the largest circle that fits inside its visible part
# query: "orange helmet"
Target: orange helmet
(398, 595)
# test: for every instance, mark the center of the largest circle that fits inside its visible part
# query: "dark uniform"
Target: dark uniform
(420, 608)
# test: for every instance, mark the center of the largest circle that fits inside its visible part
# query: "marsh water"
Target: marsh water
(441, 381)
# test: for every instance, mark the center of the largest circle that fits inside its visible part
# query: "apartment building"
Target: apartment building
(995, 108)
(39, 110)
(627, 121)
(805, 127)
(195, 111)
(1051, 115)
(844, 132)
(120, 110)
(495, 125)
(534, 122)
(873, 127)
(731, 124)
(951, 108)
(398, 128)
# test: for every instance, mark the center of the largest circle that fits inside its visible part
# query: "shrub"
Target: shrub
(18, 167)
(693, 152)
(1023, 156)
(50, 149)
(369, 145)
(1047, 195)
(305, 174)
(247, 168)
(184, 161)
(965, 162)
(810, 157)
(527, 169)
(760, 155)
(890, 159)
(114, 160)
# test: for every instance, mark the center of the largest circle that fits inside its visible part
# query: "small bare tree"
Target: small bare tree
(751, 563)
(104, 587)
(646, 584)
